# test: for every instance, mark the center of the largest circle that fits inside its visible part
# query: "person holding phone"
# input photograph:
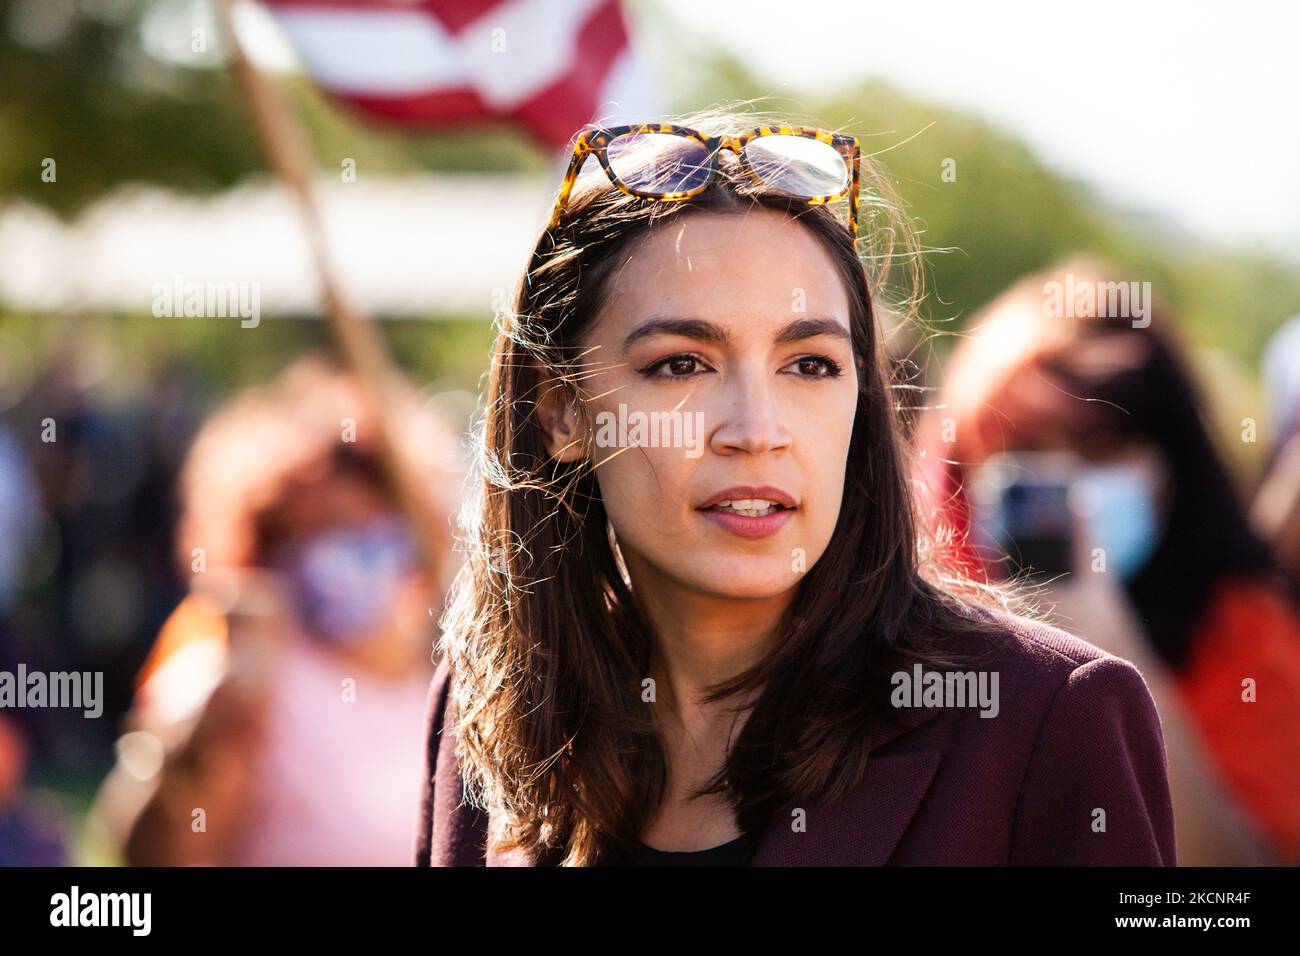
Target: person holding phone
(1073, 450)
(696, 596)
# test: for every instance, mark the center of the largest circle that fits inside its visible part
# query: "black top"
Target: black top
(738, 852)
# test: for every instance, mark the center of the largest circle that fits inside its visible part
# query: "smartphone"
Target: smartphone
(1022, 521)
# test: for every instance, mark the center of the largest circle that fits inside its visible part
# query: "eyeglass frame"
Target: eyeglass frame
(594, 140)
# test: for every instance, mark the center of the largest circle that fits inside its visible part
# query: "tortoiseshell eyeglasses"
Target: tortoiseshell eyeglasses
(660, 161)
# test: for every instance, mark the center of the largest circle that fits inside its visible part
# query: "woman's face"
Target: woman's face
(721, 370)
(353, 573)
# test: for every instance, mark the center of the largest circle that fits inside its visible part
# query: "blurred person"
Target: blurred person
(277, 720)
(667, 649)
(105, 459)
(1275, 509)
(34, 829)
(1076, 442)
(20, 519)
(31, 830)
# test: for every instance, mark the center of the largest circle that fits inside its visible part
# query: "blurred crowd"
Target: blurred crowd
(263, 615)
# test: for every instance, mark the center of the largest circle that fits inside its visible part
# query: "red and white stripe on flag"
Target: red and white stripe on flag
(550, 65)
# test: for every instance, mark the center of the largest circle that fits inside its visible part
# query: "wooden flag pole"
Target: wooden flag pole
(359, 344)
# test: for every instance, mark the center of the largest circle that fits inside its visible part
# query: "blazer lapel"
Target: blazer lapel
(864, 828)
(861, 830)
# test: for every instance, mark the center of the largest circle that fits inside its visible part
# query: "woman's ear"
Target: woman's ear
(560, 420)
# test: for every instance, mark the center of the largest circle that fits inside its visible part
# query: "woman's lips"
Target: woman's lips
(746, 526)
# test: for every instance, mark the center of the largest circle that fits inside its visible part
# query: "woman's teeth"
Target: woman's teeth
(750, 507)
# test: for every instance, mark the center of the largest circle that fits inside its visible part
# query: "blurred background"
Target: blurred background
(1160, 140)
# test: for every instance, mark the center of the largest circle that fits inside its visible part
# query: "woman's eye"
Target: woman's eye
(687, 366)
(674, 366)
(816, 366)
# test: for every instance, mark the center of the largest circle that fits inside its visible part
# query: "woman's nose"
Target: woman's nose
(751, 418)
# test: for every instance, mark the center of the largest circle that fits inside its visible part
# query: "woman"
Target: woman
(695, 642)
(1168, 573)
(277, 720)
(1275, 508)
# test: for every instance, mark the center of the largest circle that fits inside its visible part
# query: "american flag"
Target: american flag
(549, 65)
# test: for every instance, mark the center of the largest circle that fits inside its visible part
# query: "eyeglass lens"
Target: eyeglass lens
(656, 163)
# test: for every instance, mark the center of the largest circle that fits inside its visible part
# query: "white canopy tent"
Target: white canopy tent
(419, 246)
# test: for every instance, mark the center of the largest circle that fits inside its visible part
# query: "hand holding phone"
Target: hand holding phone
(1022, 516)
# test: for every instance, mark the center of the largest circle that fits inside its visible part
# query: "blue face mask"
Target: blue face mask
(345, 579)
(1120, 503)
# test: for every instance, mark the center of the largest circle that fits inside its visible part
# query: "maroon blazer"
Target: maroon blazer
(1076, 733)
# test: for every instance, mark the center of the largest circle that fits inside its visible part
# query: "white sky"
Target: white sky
(1188, 111)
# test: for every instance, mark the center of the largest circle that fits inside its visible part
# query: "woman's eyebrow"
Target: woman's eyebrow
(801, 329)
(706, 331)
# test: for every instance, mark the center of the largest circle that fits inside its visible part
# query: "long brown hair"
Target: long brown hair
(547, 644)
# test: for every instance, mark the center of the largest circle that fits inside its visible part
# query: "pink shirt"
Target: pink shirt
(340, 768)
